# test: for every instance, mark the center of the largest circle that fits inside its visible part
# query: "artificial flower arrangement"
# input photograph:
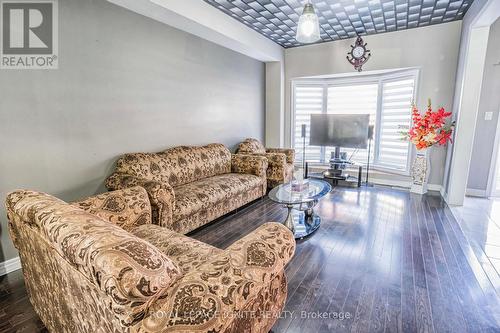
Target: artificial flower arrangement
(433, 128)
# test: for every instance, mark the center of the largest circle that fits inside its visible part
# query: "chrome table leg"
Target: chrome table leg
(289, 222)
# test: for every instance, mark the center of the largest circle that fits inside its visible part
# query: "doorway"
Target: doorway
(461, 162)
(487, 138)
(494, 177)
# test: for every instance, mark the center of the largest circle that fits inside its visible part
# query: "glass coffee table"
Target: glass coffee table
(301, 219)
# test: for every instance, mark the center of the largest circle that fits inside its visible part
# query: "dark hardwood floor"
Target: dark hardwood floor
(383, 260)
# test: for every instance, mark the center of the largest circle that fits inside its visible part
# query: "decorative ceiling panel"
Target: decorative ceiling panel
(340, 19)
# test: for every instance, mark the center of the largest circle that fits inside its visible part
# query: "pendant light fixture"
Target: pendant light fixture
(308, 28)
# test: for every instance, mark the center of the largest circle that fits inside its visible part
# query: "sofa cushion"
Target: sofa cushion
(203, 194)
(179, 165)
(186, 252)
(126, 208)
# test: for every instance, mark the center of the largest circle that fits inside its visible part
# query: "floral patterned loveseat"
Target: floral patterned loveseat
(280, 161)
(191, 186)
(99, 265)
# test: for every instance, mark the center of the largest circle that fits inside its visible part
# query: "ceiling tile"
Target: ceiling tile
(277, 19)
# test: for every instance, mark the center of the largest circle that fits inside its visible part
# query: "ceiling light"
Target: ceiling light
(308, 28)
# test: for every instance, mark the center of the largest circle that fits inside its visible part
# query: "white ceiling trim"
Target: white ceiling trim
(203, 20)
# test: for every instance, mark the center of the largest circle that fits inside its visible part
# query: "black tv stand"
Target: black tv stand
(338, 163)
(336, 171)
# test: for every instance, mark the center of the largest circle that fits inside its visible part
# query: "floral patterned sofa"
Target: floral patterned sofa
(280, 160)
(99, 265)
(191, 186)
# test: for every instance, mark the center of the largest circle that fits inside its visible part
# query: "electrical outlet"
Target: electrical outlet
(488, 115)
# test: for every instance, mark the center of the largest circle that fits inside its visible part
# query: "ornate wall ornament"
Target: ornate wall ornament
(359, 54)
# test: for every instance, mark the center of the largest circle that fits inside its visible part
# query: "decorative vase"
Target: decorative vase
(420, 172)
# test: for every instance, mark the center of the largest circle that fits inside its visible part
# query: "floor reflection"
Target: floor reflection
(479, 219)
(368, 224)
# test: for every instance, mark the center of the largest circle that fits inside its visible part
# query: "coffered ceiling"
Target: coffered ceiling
(340, 19)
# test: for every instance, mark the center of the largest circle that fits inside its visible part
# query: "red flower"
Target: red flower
(430, 129)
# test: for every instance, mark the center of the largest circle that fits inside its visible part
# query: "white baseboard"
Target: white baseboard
(474, 192)
(405, 184)
(389, 182)
(435, 187)
(9, 266)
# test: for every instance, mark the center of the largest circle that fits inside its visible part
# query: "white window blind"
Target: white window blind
(386, 98)
(308, 100)
(397, 96)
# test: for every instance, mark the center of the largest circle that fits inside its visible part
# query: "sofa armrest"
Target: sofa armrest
(252, 164)
(290, 153)
(276, 158)
(161, 195)
(276, 241)
(209, 298)
(125, 208)
(277, 163)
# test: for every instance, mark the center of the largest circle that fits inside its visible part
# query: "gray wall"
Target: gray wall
(432, 49)
(484, 138)
(125, 83)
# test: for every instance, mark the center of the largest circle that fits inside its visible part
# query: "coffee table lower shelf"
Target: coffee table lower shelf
(301, 218)
(303, 224)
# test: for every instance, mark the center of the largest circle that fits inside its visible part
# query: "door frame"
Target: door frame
(494, 165)
(480, 17)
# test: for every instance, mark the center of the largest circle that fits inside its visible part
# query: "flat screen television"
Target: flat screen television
(339, 130)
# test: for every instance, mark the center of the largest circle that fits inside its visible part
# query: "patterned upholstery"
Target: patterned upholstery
(191, 186)
(203, 194)
(280, 161)
(187, 253)
(177, 166)
(204, 216)
(126, 208)
(86, 274)
(271, 299)
(161, 195)
(228, 284)
(127, 271)
(251, 146)
(289, 153)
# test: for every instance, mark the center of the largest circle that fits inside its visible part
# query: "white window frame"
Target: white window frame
(379, 79)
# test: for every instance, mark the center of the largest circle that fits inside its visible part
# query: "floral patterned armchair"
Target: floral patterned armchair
(280, 161)
(99, 265)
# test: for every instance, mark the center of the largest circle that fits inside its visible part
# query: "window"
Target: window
(353, 99)
(386, 98)
(308, 101)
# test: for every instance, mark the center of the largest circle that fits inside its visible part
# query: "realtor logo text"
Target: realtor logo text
(29, 34)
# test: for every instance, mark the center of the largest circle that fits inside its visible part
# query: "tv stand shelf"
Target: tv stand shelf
(335, 176)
